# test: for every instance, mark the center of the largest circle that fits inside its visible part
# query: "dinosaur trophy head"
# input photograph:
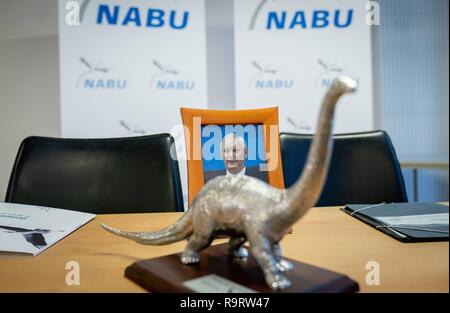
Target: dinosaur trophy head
(343, 84)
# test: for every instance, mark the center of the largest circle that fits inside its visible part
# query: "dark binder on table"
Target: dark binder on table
(414, 216)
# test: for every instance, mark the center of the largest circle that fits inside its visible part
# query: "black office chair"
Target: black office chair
(119, 175)
(364, 168)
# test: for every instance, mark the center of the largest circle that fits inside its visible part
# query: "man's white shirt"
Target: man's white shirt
(241, 173)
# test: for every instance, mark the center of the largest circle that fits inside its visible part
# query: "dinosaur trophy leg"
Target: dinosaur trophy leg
(196, 243)
(282, 264)
(262, 251)
(235, 247)
(199, 240)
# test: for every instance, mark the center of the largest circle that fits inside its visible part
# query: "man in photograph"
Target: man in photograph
(234, 153)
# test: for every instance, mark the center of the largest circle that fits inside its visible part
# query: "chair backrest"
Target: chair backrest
(364, 168)
(118, 175)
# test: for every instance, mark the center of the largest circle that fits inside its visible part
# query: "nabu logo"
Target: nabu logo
(134, 16)
(133, 129)
(328, 72)
(267, 77)
(315, 19)
(97, 76)
(168, 78)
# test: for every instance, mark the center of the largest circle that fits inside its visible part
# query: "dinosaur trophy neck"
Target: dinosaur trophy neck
(306, 191)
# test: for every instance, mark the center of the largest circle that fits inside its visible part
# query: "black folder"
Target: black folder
(416, 223)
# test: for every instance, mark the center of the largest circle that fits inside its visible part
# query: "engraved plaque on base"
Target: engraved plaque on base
(218, 272)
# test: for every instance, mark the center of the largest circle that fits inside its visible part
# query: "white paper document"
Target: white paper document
(415, 220)
(31, 229)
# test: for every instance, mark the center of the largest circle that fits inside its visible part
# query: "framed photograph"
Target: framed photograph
(236, 142)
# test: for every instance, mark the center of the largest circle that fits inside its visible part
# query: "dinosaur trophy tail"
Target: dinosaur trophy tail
(180, 230)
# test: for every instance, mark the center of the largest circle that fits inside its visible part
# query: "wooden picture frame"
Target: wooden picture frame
(195, 119)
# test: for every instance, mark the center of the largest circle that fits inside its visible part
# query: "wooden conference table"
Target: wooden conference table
(325, 237)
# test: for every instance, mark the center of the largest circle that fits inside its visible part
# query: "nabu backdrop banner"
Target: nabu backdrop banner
(287, 52)
(130, 65)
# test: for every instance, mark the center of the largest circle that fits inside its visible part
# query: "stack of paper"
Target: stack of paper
(31, 229)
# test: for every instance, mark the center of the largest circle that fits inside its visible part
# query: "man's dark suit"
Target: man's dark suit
(249, 171)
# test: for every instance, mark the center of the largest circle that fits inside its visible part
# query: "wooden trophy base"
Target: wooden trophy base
(168, 274)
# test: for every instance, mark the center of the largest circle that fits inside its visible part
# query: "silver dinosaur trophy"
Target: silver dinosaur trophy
(247, 209)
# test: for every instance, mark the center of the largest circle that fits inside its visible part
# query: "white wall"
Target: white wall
(412, 62)
(220, 54)
(29, 88)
